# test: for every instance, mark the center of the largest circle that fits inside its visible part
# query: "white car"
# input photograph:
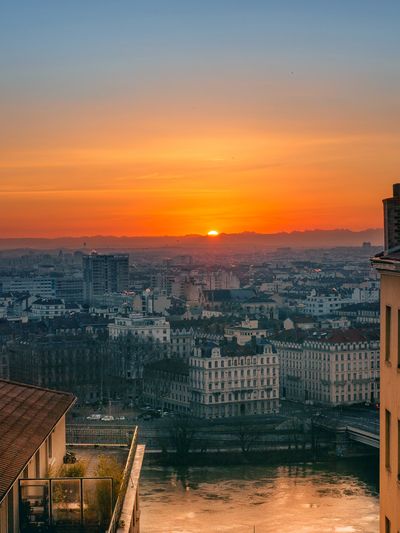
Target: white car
(94, 417)
(107, 418)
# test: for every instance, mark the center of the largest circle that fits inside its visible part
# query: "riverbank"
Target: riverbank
(255, 457)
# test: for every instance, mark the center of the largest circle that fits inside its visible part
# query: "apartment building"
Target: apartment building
(36, 286)
(228, 381)
(388, 265)
(182, 343)
(104, 273)
(32, 440)
(322, 304)
(289, 348)
(245, 332)
(33, 496)
(166, 385)
(330, 367)
(43, 308)
(156, 328)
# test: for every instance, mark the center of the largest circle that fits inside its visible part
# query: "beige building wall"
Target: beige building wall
(390, 403)
(38, 466)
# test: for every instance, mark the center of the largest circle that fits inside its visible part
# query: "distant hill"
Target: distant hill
(226, 241)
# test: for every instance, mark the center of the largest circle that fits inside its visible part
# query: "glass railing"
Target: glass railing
(60, 504)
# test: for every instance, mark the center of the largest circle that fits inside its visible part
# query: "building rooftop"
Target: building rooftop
(352, 335)
(175, 366)
(48, 301)
(336, 336)
(387, 260)
(229, 295)
(27, 416)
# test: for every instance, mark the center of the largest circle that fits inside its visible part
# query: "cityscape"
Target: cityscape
(199, 286)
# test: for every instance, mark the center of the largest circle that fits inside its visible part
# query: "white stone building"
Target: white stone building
(323, 304)
(245, 332)
(47, 308)
(156, 328)
(149, 302)
(234, 384)
(339, 367)
(182, 343)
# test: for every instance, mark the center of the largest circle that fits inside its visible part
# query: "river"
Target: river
(334, 498)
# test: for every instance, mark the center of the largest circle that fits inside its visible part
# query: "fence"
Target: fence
(80, 434)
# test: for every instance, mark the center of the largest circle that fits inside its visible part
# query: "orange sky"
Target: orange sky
(230, 180)
(248, 121)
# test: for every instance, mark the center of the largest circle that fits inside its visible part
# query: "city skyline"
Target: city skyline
(176, 119)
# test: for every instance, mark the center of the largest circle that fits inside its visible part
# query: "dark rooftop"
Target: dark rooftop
(229, 295)
(27, 416)
(175, 366)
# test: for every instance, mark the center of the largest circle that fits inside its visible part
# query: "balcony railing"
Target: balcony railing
(60, 504)
(126, 477)
(84, 504)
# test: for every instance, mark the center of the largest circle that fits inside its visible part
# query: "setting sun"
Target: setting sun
(213, 233)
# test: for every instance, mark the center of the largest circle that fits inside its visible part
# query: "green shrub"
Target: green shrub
(77, 469)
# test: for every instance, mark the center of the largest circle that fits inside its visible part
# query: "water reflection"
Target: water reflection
(342, 498)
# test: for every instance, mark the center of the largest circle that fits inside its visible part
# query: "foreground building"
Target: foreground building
(33, 494)
(32, 440)
(388, 265)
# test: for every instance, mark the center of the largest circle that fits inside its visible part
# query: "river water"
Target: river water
(335, 498)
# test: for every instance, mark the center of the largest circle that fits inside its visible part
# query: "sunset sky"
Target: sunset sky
(147, 117)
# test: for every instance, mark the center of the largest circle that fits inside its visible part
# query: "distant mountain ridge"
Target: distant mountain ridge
(235, 241)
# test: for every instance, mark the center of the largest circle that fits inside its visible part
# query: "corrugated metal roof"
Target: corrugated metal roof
(27, 416)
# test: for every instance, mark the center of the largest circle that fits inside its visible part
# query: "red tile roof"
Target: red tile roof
(27, 416)
(352, 335)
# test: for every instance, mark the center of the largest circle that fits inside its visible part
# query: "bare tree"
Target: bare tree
(248, 435)
(182, 431)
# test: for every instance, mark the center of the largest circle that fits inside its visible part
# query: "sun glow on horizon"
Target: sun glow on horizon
(213, 233)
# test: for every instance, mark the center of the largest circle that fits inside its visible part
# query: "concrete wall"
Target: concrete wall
(38, 463)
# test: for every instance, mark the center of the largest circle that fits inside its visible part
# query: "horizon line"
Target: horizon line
(203, 235)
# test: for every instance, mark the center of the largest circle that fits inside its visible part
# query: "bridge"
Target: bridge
(362, 428)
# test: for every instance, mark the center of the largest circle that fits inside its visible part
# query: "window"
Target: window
(37, 464)
(388, 321)
(398, 338)
(398, 450)
(387, 525)
(50, 446)
(387, 438)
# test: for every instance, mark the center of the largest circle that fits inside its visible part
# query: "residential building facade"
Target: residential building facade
(388, 265)
(29, 445)
(225, 384)
(104, 273)
(157, 328)
(332, 367)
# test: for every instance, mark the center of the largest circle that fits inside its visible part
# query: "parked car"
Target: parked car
(107, 418)
(94, 417)
(144, 416)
